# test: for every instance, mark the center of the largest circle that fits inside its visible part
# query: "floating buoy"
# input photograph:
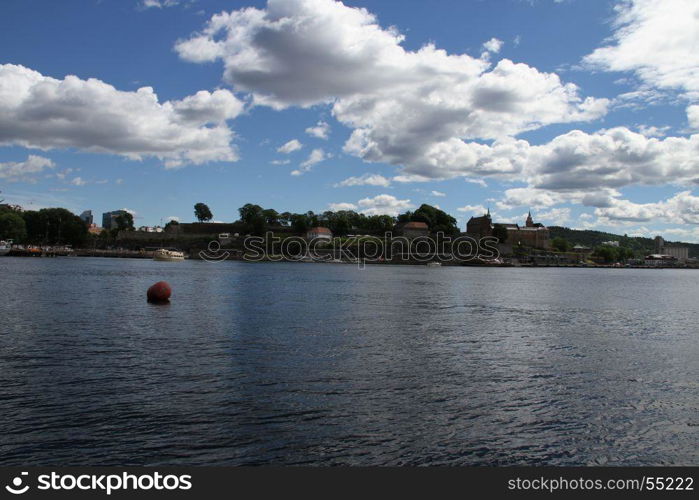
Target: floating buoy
(159, 293)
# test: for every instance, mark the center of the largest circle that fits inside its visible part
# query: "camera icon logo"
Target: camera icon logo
(16, 487)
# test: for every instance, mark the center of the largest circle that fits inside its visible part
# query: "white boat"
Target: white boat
(5, 247)
(164, 254)
(434, 264)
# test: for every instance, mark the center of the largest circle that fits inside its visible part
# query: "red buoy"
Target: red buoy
(159, 292)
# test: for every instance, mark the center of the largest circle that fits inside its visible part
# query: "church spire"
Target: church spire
(530, 221)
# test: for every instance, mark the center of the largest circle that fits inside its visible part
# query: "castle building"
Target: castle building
(533, 234)
(480, 227)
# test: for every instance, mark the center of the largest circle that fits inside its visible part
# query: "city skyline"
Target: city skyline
(584, 112)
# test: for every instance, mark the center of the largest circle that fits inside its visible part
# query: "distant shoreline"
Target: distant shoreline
(128, 254)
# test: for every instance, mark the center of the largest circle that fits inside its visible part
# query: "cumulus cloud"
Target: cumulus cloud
(475, 210)
(438, 193)
(336, 207)
(493, 45)
(416, 109)
(693, 116)
(290, 147)
(579, 167)
(683, 207)
(78, 181)
(383, 204)
(320, 131)
(555, 216)
(365, 180)
(41, 112)
(612, 158)
(657, 40)
(25, 171)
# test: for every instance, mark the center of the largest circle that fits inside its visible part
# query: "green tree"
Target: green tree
(300, 223)
(285, 218)
(171, 224)
(560, 244)
(436, 219)
(54, 226)
(253, 218)
(500, 232)
(606, 253)
(202, 212)
(380, 223)
(124, 222)
(12, 227)
(271, 216)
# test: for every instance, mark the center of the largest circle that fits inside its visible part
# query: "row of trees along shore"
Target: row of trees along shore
(257, 220)
(58, 226)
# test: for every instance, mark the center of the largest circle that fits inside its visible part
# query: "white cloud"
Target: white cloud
(336, 207)
(62, 175)
(316, 156)
(78, 181)
(383, 204)
(208, 107)
(25, 171)
(683, 207)
(321, 130)
(172, 218)
(438, 193)
(41, 112)
(147, 4)
(480, 182)
(658, 40)
(693, 116)
(493, 45)
(529, 197)
(652, 131)
(365, 180)
(475, 210)
(280, 162)
(416, 109)
(290, 147)
(555, 216)
(611, 159)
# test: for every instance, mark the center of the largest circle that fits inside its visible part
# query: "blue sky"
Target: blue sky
(584, 112)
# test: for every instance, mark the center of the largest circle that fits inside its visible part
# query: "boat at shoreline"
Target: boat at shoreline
(5, 247)
(165, 255)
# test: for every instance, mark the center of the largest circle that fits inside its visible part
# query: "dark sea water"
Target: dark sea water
(325, 364)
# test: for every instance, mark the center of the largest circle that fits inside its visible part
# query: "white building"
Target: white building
(678, 252)
(322, 233)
